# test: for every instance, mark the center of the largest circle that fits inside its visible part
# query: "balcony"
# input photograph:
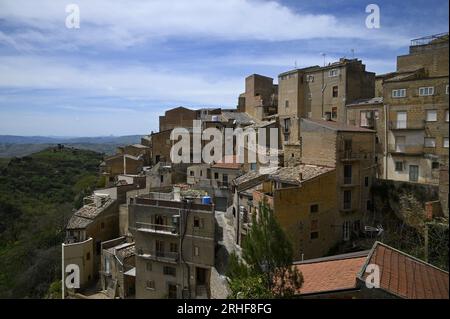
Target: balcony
(407, 125)
(163, 256)
(350, 155)
(406, 149)
(157, 228)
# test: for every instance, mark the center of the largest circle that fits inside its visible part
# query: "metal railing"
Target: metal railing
(406, 148)
(407, 125)
(157, 228)
(159, 255)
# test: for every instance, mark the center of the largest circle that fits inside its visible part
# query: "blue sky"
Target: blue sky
(131, 60)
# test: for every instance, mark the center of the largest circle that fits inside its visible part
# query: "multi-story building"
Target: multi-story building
(174, 247)
(96, 221)
(349, 149)
(320, 92)
(416, 101)
(260, 99)
(371, 114)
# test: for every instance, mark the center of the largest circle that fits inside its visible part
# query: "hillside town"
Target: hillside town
(360, 155)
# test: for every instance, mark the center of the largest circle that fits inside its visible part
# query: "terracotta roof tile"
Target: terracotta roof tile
(330, 275)
(408, 277)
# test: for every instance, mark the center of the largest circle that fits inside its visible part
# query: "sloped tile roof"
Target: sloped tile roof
(406, 276)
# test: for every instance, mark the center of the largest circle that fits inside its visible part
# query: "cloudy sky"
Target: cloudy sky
(130, 60)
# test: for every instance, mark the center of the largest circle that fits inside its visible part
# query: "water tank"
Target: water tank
(206, 200)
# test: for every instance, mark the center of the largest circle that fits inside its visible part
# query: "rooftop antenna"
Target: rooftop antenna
(324, 57)
(353, 53)
(295, 63)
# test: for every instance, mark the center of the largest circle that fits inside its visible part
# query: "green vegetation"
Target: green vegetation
(266, 270)
(37, 195)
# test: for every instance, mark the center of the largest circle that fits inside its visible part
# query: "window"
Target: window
(426, 91)
(314, 208)
(102, 225)
(225, 179)
(430, 142)
(335, 91)
(366, 181)
(149, 266)
(191, 173)
(287, 125)
(88, 256)
(196, 251)
(398, 166)
(169, 271)
(431, 115)
(445, 142)
(402, 119)
(314, 235)
(446, 116)
(216, 175)
(172, 291)
(151, 284)
(347, 174)
(253, 166)
(98, 247)
(399, 93)
(435, 165)
(400, 142)
(333, 73)
(346, 230)
(173, 247)
(286, 103)
(162, 179)
(201, 172)
(369, 205)
(310, 78)
(198, 222)
(347, 199)
(334, 112)
(413, 173)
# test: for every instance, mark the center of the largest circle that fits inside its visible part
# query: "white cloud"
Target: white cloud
(126, 23)
(120, 80)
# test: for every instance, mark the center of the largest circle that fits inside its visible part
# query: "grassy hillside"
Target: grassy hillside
(18, 146)
(37, 195)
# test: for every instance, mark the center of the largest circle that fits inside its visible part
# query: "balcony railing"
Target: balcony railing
(350, 155)
(159, 255)
(407, 125)
(157, 228)
(406, 149)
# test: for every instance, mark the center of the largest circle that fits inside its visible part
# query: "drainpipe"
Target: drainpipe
(386, 122)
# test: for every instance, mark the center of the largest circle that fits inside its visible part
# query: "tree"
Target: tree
(267, 260)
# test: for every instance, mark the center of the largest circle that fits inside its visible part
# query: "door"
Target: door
(159, 245)
(413, 173)
(400, 142)
(401, 119)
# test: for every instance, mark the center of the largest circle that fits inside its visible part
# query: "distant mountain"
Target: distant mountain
(17, 146)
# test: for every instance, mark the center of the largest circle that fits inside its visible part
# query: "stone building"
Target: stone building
(416, 101)
(177, 117)
(96, 221)
(320, 92)
(174, 247)
(117, 267)
(118, 164)
(371, 114)
(260, 98)
(349, 149)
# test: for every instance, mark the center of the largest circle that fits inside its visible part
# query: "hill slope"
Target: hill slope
(37, 195)
(12, 146)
